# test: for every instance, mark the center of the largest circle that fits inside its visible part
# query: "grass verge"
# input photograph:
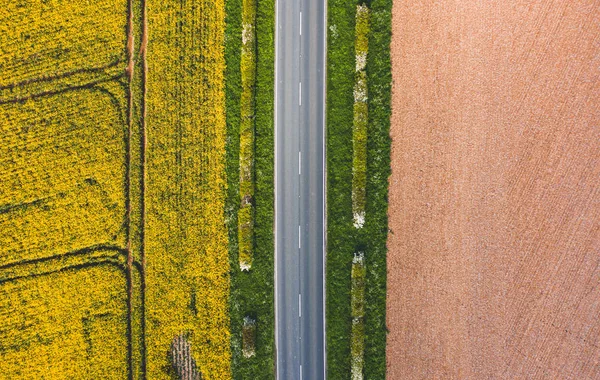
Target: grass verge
(342, 238)
(252, 292)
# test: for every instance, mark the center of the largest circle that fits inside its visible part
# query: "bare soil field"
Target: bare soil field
(494, 255)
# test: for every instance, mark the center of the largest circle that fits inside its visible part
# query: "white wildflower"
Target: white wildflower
(245, 266)
(361, 61)
(359, 219)
(247, 33)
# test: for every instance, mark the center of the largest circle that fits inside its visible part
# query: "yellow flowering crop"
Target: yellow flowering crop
(63, 282)
(112, 188)
(69, 324)
(187, 267)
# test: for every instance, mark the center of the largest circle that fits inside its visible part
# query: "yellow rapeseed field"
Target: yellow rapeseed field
(63, 283)
(65, 325)
(112, 188)
(187, 267)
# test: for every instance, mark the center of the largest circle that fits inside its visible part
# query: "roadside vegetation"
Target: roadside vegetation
(361, 115)
(247, 109)
(357, 301)
(252, 293)
(349, 231)
(359, 182)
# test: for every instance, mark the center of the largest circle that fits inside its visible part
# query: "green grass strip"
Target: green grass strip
(379, 79)
(252, 292)
(342, 238)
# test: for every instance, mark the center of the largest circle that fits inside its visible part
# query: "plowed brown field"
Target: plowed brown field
(494, 255)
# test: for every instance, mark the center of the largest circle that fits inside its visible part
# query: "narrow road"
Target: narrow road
(299, 189)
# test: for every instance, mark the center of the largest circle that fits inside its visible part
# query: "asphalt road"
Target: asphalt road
(299, 189)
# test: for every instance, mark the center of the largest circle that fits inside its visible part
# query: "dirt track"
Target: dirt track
(494, 259)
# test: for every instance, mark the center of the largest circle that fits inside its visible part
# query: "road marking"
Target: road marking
(300, 94)
(300, 371)
(300, 22)
(300, 305)
(299, 163)
(276, 163)
(325, 11)
(299, 236)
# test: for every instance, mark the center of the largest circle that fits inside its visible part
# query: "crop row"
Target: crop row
(357, 301)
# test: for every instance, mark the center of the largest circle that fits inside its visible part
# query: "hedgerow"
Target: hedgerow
(379, 79)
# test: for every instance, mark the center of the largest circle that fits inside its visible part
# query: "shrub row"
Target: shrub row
(379, 79)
